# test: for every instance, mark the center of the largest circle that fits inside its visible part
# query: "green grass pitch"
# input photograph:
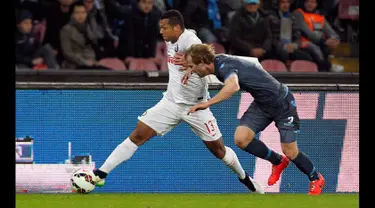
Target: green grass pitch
(186, 201)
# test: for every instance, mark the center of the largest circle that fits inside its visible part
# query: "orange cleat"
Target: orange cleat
(277, 170)
(316, 186)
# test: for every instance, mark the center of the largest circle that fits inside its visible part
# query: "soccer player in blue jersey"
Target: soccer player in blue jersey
(272, 102)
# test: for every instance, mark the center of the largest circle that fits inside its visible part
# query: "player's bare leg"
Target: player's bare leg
(244, 139)
(305, 165)
(124, 151)
(229, 157)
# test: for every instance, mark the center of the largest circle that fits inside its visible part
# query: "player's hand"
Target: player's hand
(332, 43)
(197, 107)
(188, 73)
(179, 59)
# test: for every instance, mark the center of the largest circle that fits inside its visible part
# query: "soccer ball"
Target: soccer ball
(82, 181)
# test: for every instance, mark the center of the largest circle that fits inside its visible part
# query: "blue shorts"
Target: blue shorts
(284, 114)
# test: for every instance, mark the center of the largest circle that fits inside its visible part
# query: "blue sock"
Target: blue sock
(259, 149)
(305, 165)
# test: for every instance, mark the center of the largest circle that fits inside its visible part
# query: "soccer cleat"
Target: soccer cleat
(316, 186)
(277, 170)
(251, 184)
(99, 182)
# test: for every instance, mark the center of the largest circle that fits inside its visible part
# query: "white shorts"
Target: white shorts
(165, 115)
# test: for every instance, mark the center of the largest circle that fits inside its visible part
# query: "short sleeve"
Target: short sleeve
(225, 70)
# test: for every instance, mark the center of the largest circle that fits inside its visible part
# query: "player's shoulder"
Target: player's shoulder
(248, 59)
(232, 61)
(221, 58)
(188, 37)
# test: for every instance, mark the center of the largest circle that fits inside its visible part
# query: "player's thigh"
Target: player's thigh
(288, 121)
(255, 118)
(203, 123)
(162, 118)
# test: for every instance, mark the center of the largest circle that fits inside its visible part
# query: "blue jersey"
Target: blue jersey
(252, 78)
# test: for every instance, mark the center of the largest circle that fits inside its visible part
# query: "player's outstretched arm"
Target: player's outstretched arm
(231, 86)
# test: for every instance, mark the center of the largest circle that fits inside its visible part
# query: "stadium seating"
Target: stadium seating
(272, 65)
(218, 48)
(142, 64)
(113, 63)
(303, 66)
(164, 65)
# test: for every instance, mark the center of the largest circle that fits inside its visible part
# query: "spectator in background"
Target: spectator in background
(78, 41)
(318, 37)
(286, 37)
(161, 5)
(56, 15)
(250, 32)
(98, 23)
(117, 11)
(140, 32)
(33, 6)
(176, 4)
(203, 16)
(270, 5)
(227, 9)
(29, 51)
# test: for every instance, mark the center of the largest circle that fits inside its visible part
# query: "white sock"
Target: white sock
(230, 159)
(123, 152)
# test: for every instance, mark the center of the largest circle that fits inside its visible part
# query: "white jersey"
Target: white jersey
(196, 89)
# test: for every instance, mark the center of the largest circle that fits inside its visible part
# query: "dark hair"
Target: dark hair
(78, 3)
(174, 18)
(201, 53)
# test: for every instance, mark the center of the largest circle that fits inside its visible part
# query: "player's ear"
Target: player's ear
(177, 27)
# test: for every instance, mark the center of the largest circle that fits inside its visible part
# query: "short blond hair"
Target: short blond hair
(201, 53)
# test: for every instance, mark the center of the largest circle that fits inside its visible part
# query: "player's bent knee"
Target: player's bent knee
(290, 150)
(243, 136)
(241, 142)
(141, 134)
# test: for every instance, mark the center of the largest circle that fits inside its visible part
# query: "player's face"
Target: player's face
(252, 7)
(284, 5)
(199, 69)
(26, 26)
(168, 31)
(310, 5)
(79, 14)
(146, 5)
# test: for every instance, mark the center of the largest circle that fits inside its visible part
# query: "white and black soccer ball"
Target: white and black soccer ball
(82, 181)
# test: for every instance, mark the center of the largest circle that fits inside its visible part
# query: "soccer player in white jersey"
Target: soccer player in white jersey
(174, 108)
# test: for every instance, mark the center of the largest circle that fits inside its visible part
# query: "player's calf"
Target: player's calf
(244, 139)
(216, 147)
(304, 164)
(227, 155)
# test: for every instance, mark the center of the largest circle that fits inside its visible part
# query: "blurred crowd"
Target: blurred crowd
(124, 34)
